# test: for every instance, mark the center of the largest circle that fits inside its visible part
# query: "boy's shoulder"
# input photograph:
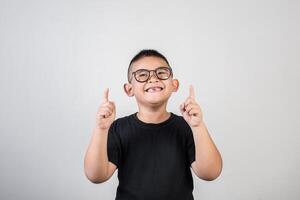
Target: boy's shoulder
(121, 121)
(124, 119)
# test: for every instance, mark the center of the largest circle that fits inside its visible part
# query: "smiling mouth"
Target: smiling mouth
(154, 89)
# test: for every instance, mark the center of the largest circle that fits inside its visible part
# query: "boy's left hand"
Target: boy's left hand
(191, 111)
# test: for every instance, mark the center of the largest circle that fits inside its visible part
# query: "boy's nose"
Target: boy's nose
(150, 76)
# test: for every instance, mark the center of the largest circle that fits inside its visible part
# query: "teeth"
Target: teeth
(154, 89)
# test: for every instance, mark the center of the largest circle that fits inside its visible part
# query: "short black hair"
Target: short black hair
(145, 53)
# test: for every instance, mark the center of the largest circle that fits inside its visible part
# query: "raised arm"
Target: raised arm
(208, 162)
(97, 168)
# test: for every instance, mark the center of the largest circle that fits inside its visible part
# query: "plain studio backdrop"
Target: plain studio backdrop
(57, 57)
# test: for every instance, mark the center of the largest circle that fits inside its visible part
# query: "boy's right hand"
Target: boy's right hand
(106, 113)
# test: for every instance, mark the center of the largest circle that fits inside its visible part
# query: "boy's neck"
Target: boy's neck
(150, 115)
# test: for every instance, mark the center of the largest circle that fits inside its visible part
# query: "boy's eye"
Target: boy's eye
(161, 73)
(141, 75)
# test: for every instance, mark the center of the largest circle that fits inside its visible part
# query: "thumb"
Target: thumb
(181, 108)
(113, 104)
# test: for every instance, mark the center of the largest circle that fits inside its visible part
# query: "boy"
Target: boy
(153, 149)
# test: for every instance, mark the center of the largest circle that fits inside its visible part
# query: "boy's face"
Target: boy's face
(141, 90)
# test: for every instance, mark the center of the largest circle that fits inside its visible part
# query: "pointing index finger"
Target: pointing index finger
(105, 95)
(192, 92)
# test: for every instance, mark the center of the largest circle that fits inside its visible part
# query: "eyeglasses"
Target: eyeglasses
(143, 75)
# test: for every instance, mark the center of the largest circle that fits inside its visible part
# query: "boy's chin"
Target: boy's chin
(153, 99)
(156, 100)
(155, 104)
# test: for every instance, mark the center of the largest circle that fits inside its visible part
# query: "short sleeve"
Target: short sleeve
(114, 145)
(190, 145)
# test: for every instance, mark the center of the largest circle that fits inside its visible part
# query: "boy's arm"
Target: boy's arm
(96, 165)
(208, 161)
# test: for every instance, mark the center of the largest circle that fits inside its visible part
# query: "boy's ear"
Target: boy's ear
(128, 89)
(175, 83)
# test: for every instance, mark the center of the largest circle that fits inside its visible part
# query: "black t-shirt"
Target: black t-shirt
(153, 160)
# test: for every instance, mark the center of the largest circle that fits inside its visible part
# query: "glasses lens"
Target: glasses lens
(163, 73)
(141, 75)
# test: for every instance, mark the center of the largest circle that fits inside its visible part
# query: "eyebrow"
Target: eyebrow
(153, 69)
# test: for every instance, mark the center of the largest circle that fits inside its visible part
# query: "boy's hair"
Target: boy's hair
(145, 53)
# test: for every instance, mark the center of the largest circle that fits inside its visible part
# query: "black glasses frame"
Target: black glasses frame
(149, 72)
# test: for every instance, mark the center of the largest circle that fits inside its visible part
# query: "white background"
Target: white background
(57, 57)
